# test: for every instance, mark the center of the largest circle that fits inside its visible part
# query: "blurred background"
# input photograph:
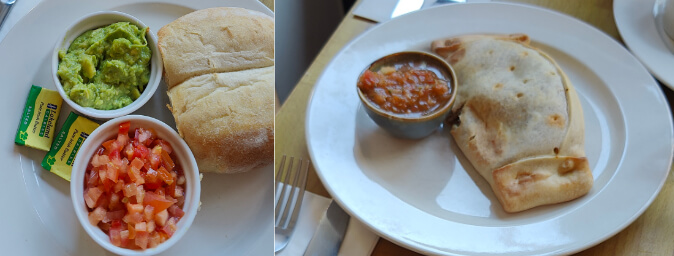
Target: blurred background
(302, 28)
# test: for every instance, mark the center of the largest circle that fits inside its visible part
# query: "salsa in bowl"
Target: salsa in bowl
(408, 94)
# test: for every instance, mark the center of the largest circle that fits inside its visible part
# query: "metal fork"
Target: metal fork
(290, 185)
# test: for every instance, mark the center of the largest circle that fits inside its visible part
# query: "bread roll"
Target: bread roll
(227, 119)
(215, 40)
(219, 68)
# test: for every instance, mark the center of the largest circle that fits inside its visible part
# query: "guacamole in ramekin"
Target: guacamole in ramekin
(106, 68)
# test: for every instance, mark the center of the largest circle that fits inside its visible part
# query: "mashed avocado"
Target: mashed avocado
(106, 68)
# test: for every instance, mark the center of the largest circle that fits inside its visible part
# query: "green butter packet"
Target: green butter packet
(61, 157)
(39, 117)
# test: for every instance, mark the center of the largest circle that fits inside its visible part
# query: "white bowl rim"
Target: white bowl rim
(156, 65)
(193, 184)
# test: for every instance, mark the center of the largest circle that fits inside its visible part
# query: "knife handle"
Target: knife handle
(5, 5)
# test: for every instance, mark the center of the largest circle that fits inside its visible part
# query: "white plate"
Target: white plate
(38, 217)
(426, 196)
(640, 31)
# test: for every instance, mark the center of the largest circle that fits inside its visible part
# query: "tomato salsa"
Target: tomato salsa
(135, 189)
(405, 89)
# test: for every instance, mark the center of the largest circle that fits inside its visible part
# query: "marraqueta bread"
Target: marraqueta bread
(219, 68)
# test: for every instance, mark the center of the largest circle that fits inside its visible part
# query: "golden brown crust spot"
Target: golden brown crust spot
(556, 120)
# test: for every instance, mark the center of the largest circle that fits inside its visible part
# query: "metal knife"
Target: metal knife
(330, 232)
(5, 6)
(405, 6)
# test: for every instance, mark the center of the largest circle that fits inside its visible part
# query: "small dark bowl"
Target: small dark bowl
(405, 125)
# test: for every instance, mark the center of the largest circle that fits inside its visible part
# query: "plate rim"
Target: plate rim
(636, 44)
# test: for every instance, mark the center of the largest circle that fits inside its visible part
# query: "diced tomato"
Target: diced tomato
(118, 187)
(134, 208)
(161, 217)
(133, 218)
(179, 192)
(140, 151)
(165, 175)
(170, 226)
(159, 202)
(114, 201)
(140, 194)
(112, 172)
(152, 180)
(104, 226)
(163, 236)
(174, 210)
(102, 173)
(124, 166)
(97, 215)
(103, 201)
(170, 189)
(91, 196)
(145, 136)
(108, 184)
(112, 216)
(155, 157)
(166, 161)
(142, 238)
(141, 227)
(155, 239)
(130, 190)
(98, 160)
(151, 226)
(129, 151)
(134, 171)
(111, 146)
(149, 212)
(165, 145)
(124, 236)
(124, 127)
(115, 233)
(91, 179)
(181, 201)
(132, 231)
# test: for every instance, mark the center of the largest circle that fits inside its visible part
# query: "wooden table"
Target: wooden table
(651, 234)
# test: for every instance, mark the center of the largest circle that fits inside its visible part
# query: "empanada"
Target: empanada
(520, 122)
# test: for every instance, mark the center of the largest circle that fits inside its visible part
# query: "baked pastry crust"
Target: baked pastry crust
(519, 120)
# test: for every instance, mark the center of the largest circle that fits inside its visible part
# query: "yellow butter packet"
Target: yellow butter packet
(38, 121)
(61, 157)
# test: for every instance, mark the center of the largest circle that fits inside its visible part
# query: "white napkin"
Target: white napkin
(358, 241)
(381, 10)
(375, 10)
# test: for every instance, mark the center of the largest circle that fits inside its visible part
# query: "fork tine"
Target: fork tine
(291, 197)
(300, 195)
(280, 169)
(283, 203)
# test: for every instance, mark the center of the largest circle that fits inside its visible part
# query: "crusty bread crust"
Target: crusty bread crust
(219, 68)
(215, 40)
(520, 120)
(227, 119)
